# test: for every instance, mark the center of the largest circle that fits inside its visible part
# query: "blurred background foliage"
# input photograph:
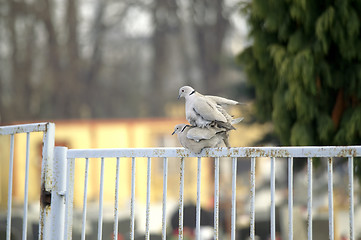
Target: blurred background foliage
(305, 66)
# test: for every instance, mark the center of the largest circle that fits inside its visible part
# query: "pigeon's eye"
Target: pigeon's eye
(182, 90)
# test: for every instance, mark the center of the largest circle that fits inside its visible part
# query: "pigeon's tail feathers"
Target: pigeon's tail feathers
(237, 120)
(225, 125)
(226, 142)
(225, 138)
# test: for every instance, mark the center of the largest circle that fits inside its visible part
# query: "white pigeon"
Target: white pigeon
(204, 111)
(196, 139)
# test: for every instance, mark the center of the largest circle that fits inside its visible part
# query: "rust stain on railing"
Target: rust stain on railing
(349, 152)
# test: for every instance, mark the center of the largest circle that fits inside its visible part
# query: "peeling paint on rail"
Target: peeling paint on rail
(296, 152)
(23, 128)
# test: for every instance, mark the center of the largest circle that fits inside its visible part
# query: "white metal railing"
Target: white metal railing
(57, 180)
(63, 188)
(48, 130)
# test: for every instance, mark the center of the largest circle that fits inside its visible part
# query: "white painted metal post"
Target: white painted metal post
(234, 199)
(309, 198)
(58, 193)
(216, 197)
(273, 205)
(181, 198)
(132, 199)
(198, 206)
(100, 214)
(86, 173)
(164, 207)
(147, 216)
(69, 198)
(116, 200)
(350, 189)
(26, 184)
(46, 180)
(10, 188)
(330, 200)
(290, 198)
(252, 198)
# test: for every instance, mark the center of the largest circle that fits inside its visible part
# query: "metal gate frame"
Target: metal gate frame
(64, 183)
(57, 183)
(48, 130)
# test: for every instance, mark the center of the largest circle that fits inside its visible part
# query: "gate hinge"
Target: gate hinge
(45, 197)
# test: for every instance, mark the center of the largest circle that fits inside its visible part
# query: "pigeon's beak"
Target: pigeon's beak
(173, 132)
(178, 97)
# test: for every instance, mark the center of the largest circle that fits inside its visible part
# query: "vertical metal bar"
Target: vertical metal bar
(100, 215)
(58, 194)
(309, 198)
(10, 188)
(252, 198)
(233, 210)
(164, 208)
(26, 184)
(85, 198)
(46, 180)
(149, 171)
(69, 197)
(181, 195)
(290, 198)
(273, 205)
(198, 206)
(132, 199)
(216, 197)
(116, 200)
(330, 200)
(350, 189)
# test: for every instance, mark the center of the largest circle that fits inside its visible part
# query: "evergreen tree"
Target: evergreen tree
(305, 65)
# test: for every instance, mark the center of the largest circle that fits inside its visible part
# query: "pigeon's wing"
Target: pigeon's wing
(198, 134)
(222, 101)
(224, 113)
(207, 110)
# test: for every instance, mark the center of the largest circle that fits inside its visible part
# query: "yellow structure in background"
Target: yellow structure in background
(131, 133)
(19, 168)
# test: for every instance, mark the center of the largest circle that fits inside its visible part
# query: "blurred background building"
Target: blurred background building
(111, 59)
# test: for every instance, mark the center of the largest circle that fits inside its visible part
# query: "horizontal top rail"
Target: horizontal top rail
(24, 128)
(327, 151)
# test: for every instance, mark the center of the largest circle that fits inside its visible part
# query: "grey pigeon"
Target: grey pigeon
(205, 111)
(196, 139)
(197, 134)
